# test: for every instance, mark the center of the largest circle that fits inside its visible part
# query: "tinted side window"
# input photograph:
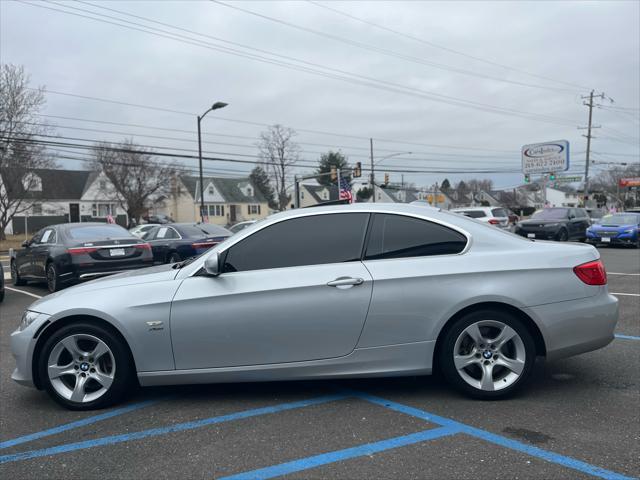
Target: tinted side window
(397, 236)
(314, 240)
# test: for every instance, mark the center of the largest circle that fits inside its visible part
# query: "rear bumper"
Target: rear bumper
(577, 326)
(80, 273)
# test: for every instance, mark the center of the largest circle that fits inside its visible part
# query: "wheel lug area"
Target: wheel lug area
(93, 370)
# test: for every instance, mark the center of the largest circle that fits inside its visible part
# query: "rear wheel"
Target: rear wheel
(15, 276)
(53, 279)
(85, 366)
(487, 354)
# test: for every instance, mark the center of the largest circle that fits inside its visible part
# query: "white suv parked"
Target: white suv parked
(496, 216)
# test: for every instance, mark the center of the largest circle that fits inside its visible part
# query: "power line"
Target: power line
(313, 69)
(447, 49)
(376, 49)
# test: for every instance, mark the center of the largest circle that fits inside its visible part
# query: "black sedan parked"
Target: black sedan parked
(178, 241)
(557, 223)
(67, 253)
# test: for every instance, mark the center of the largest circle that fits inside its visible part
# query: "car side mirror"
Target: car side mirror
(212, 265)
(571, 217)
(26, 244)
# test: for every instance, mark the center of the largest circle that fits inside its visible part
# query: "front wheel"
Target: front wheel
(174, 258)
(562, 236)
(487, 354)
(84, 366)
(15, 276)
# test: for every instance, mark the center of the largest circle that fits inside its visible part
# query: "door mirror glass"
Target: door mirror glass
(212, 264)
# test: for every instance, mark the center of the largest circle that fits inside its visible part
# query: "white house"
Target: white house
(59, 196)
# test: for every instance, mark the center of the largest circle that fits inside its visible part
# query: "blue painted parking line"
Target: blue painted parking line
(627, 337)
(76, 424)
(340, 455)
(551, 457)
(180, 427)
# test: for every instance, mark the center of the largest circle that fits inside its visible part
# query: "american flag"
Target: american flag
(345, 190)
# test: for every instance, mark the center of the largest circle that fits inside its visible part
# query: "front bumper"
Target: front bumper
(577, 326)
(539, 233)
(595, 238)
(22, 346)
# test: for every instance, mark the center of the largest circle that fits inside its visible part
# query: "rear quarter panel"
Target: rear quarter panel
(413, 298)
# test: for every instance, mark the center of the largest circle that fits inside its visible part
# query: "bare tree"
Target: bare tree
(279, 153)
(137, 178)
(19, 152)
(608, 181)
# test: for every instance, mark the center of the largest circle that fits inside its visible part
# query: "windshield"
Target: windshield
(620, 220)
(550, 214)
(97, 232)
(212, 229)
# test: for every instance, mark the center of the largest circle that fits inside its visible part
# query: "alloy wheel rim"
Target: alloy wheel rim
(14, 271)
(489, 355)
(81, 368)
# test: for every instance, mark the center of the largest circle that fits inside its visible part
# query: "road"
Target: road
(578, 419)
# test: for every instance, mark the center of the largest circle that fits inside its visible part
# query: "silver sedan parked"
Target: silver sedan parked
(332, 292)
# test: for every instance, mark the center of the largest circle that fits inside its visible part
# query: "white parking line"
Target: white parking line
(22, 291)
(628, 294)
(629, 274)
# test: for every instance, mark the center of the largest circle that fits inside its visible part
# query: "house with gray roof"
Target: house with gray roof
(316, 194)
(226, 200)
(43, 197)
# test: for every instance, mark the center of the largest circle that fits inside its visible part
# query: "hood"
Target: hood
(616, 226)
(534, 221)
(133, 277)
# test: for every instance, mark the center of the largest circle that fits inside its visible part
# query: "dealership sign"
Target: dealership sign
(629, 182)
(548, 157)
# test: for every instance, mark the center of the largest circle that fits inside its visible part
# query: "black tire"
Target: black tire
(53, 279)
(15, 276)
(174, 257)
(124, 377)
(446, 354)
(562, 235)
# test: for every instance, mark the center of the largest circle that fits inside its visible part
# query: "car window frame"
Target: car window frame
(431, 220)
(363, 243)
(55, 236)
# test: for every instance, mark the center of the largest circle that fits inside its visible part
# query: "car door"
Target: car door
(293, 291)
(24, 258)
(40, 251)
(418, 274)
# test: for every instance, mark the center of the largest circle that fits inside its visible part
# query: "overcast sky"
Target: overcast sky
(413, 84)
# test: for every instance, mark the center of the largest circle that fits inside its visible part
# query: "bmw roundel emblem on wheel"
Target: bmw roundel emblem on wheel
(357, 290)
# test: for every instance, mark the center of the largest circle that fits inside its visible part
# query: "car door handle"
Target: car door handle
(345, 282)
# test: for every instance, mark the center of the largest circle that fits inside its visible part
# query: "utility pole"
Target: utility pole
(373, 178)
(588, 136)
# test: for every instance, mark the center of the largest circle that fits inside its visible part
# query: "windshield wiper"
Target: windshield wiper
(184, 263)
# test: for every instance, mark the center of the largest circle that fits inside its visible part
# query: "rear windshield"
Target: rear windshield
(620, 219)
(551, 214)
(97, 232)
(472, 213)
(215, 229)
(499, 212)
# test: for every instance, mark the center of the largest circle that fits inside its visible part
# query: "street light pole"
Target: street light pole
(215, 106)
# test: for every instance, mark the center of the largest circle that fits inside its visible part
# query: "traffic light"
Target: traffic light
(357, 171)
(386, 179)
(527, 178)
(552, 176)
(334, 173)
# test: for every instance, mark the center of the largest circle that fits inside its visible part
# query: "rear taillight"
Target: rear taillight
(142, 246)
(494, 221)
(592, 273)
(81, 250)
(199, 245)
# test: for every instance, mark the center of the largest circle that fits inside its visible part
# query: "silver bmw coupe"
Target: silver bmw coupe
(332, 292)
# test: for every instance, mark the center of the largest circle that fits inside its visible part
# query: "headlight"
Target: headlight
(552, 225)
(631, 230)
(28, 317)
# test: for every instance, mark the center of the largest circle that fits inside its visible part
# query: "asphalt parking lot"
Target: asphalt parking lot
(579, 418)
